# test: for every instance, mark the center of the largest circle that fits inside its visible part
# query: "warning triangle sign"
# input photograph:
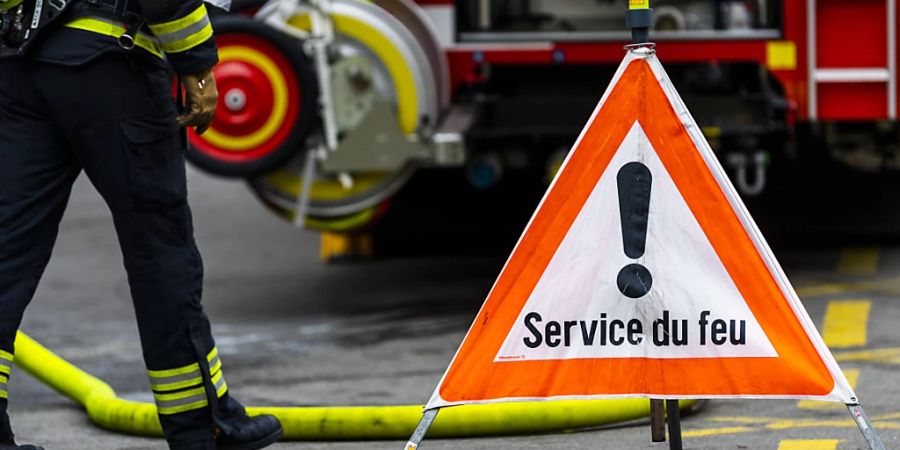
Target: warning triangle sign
(641, 274)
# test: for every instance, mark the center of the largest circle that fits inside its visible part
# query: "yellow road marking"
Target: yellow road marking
(890, 355)
(821, 290)
(746, 420)
(852, 377)
(858, 261)
(772, 423)
(809, 444)
(746, 424)
(703, 432)
(889, 285)
(819, 423)
(845, 323)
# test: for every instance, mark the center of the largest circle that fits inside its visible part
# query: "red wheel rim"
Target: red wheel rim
(259, 101)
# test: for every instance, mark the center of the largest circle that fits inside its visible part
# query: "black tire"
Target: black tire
(287, 142)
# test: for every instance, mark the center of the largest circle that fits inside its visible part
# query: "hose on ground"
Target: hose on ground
(108, 411)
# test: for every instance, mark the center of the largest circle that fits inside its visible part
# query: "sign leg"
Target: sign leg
(418, 435)
(865, 427)
(657, 420)
(673, 414)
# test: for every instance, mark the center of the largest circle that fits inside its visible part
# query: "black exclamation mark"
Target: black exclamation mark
(634, 180)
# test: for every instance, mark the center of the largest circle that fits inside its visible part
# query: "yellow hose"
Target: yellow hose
(109, 411)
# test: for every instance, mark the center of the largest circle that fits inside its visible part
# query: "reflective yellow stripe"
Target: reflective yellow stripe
(4, 372)
(218, 382)
(179, 24)
(115, 30)
(176, 402)
(176, 385)
(189, 42)
(173, 372)
(222, 390)
(217, 378)
(171, 34)
(177, 409)
(188, 376)
(177, 378)
(215, 363)
(179, 395)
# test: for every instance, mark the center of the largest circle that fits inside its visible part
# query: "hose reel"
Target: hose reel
(387, 83)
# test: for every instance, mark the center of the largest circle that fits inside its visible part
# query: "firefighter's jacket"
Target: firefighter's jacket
(177, 31)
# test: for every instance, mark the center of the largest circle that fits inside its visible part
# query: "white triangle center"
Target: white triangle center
(577, 311)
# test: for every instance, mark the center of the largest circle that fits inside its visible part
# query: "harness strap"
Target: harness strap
(125, 24)
(115, 29)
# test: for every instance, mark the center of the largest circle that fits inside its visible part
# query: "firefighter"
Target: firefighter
(84, 85)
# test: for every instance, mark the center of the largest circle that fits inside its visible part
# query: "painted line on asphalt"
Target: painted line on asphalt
(845, 326)
(809, 444)
(826, 289)
(888, 285)
(889, 355)
(703, 432)
(748, 424)
(846, 322)
(743, 419)
(858, 261)
(852, 377)
(826, 423)
(776, 423)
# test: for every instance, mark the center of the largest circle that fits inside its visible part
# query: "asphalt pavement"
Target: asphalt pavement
(293, 331)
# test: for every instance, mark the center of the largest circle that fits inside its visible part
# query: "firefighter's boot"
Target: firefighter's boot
(7, 441)
(248, 433)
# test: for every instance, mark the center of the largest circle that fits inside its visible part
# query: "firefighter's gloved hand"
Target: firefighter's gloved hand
(201, 98)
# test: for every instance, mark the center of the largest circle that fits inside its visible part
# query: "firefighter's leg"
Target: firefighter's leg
(131, 148)
(37, 169)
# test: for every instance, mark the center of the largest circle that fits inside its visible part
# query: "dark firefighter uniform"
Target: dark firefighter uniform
(76, 99)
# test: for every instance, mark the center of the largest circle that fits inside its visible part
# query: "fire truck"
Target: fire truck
(330, 108)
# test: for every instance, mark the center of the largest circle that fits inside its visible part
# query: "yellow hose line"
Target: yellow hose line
(109, 411)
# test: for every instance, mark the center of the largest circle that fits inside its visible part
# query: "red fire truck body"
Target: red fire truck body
(489, 88)
(835, 59)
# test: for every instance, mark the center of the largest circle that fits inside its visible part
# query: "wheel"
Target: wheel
(267, 101)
